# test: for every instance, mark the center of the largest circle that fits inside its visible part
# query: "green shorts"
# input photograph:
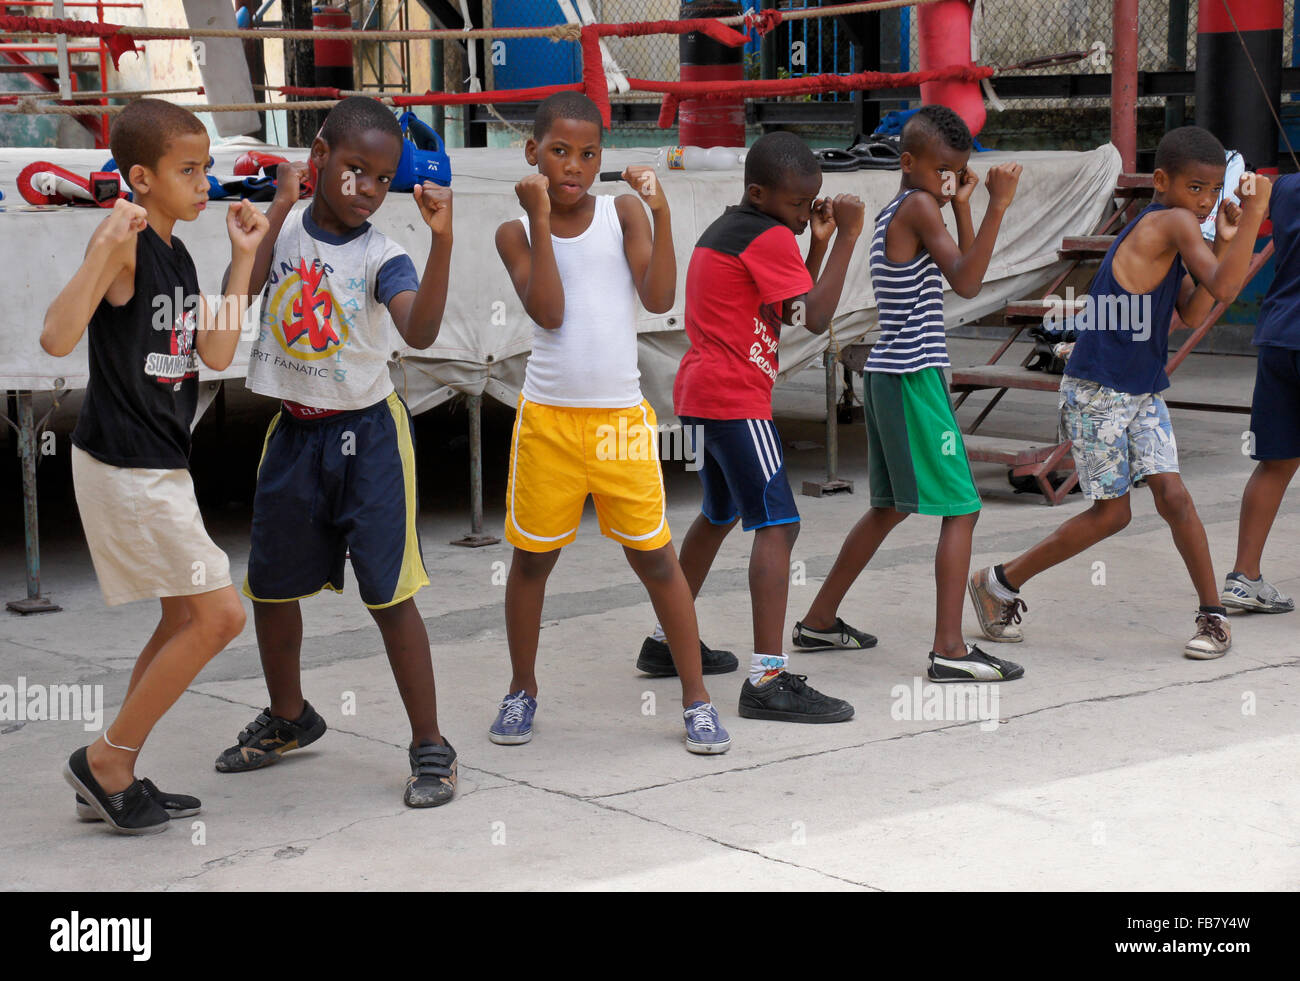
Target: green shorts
(916, 459)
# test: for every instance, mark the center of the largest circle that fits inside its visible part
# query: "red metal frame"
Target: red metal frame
(15, 53)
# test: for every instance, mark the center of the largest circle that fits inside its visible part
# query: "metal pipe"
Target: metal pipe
(1123, 82)
(475, 464)
(31, 528)
(832, 427)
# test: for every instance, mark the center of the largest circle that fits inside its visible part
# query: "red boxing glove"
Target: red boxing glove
(253, 162)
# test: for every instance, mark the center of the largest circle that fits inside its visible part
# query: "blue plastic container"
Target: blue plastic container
(524, 63)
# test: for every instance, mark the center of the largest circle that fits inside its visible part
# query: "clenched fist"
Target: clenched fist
(532, 194)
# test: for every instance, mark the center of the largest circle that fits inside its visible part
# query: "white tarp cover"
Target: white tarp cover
(486, 336)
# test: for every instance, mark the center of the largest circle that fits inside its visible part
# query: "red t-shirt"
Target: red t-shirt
(744, 267)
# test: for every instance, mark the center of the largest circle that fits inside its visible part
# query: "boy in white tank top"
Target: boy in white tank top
(579, 263)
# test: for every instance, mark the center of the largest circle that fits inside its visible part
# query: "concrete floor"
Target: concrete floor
(1115, 763)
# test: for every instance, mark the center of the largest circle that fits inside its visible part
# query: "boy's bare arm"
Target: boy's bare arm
(650, 256)
(820, 302)
(1195, 301)
(418, 315)
(822, 226)
(964, 271)
(107, 270)
(531, 265)
(961, 210)
(288, 178)
(1222, 277)
(218, 336)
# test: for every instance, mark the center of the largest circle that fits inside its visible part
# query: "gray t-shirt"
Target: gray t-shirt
(325, 333)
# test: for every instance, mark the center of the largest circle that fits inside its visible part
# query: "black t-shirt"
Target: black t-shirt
(143, 385)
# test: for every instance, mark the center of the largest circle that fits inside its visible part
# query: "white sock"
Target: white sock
(763, 664)
(999, 591)
(659, 634)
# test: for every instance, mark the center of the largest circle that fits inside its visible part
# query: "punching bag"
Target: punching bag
(943, 31)
(1229, 102)
(710, 122)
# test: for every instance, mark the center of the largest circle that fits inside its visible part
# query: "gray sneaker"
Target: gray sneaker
(999, 620)
(1257, 595)
(1213, 638)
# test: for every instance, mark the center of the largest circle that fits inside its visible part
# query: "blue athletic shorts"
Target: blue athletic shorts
(333, 488)
(1275, 409)
(742, 469)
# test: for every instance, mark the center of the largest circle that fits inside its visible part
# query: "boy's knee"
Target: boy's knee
(1173, 503)
(532, 565)
(1113, 515)
(657, 565)
(220, 617)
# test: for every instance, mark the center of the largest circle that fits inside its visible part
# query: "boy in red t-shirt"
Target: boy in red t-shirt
(745, 279)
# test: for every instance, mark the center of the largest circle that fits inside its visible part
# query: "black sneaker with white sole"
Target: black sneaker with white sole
(129, 812)
(840, 637)
(788, 698)
(176, 805)
(975, 666)
(656, 660)
(267, 738)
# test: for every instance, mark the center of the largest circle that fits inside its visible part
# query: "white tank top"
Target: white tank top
(590, 360)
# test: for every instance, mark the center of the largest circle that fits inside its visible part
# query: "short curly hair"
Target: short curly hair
(1189, 145)
(355, 115)
(777, 156)
(935, 123)
(143, 129)
(565, 105)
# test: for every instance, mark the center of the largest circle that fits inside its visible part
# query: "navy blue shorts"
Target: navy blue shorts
(1275, 409)
(332, 488)
(742, 468)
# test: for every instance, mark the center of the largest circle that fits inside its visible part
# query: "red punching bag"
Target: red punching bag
(943, 31)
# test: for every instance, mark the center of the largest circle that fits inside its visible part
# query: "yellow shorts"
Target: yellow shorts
(559, 455)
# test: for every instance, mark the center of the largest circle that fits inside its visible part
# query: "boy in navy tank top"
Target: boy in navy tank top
(1110, 402)
(1274, 411)
(131, 445)
(916, 459)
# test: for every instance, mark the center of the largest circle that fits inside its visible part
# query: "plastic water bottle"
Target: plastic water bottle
(699, 158)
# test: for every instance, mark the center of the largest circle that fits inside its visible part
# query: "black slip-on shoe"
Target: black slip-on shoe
(176, 805)
(129, 812)
(656, 660)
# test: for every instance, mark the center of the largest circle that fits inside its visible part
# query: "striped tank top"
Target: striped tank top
(909, 301)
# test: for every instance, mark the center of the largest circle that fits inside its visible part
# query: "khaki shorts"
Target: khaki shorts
(145, 533)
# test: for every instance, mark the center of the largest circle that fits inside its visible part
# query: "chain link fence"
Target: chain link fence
(1007, 32)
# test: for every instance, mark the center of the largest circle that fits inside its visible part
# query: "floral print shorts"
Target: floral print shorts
(1119, 439)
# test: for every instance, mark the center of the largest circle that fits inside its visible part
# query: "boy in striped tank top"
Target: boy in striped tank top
(579, 263)
(915, 455)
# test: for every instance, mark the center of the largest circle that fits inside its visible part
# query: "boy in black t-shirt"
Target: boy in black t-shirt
(138, 291)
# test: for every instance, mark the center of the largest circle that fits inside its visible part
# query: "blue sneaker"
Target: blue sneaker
(704, 733)
(514, 724)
